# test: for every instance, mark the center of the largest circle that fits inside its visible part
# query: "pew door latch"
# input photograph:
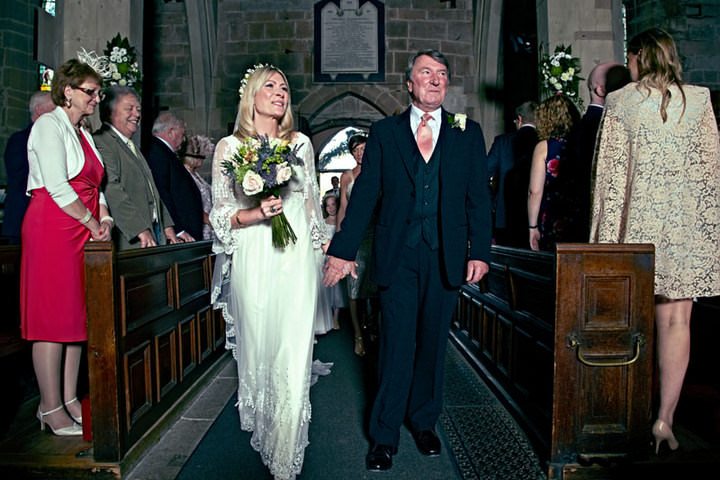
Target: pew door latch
(574, 343)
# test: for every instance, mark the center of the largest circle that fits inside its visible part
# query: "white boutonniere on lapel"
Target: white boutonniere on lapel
(458, 121)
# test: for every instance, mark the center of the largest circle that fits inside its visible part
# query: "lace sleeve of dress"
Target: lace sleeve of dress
(611, 177)
(225, 203)
(311, 192)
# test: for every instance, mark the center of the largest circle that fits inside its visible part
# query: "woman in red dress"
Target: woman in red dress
(66, 210)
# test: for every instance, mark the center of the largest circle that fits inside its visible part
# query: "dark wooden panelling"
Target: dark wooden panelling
(517, 330)
(164, 295)
(218, 329)
(146, 296)
(192, 279)
(187, 343)
(138, 384)
(166, 363)
(204, 334)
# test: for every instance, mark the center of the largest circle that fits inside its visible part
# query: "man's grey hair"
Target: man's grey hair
(434, 54)
(527, 111)
(38, 98)
(112, 95)
(166, 121)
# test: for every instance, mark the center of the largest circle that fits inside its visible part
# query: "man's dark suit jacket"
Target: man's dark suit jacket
(129, 190)
(16, 166)
(515, 187)
(177, 188)
(500, 160)
(589, 126)
(389, 165)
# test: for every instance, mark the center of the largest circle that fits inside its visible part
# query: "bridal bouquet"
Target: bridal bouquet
(262, 165)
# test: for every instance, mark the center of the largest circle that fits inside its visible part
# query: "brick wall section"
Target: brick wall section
(18, 71)
(696, 38)
(281, 32)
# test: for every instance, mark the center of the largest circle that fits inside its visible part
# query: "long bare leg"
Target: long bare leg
(73, 355)
(47, 357)
(673, 338)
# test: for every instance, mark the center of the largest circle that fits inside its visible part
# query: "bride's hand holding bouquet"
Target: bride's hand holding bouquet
(263, 165)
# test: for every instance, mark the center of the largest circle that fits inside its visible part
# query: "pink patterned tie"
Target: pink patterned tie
(425, 138)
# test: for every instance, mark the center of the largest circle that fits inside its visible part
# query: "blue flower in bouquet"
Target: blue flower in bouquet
(262, 165)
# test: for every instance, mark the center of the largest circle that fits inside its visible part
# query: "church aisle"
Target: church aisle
(480, 438)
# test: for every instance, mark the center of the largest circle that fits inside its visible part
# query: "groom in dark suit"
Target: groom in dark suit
(432, 233)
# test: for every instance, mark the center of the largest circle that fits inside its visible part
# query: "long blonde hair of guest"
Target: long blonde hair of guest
(244, 126)
(658, 64)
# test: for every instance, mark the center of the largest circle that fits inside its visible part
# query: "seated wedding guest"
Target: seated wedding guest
(193, 153)
(141, 219)
(16, 167)
(657, 181)
(552, 207)
(65, 211)
(175, 184)
(509, 162)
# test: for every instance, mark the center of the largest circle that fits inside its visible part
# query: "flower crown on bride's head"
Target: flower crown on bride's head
(248, 74)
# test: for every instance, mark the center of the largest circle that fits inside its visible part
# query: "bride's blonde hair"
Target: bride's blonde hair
(244, 126)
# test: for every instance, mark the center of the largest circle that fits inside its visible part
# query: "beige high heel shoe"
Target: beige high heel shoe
(79, 419)
(73, 429)
(662, 432)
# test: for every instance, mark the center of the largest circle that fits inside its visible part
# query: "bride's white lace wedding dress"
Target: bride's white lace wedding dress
(268, 296)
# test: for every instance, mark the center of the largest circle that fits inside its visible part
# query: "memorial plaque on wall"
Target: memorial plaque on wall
(349, 41)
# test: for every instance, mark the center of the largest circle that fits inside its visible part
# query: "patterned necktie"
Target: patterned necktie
(131, 146)
(425, 138)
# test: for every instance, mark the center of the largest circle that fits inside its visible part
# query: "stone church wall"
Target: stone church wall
(281, 32)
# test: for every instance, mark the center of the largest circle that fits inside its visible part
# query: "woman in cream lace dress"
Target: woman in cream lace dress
(268, 294)
(657, 180)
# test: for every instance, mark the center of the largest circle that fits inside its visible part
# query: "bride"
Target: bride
(267, 294)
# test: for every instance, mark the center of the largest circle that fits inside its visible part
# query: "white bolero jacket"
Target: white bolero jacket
(55, 156)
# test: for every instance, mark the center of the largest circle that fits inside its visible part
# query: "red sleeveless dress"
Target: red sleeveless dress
(52, 268)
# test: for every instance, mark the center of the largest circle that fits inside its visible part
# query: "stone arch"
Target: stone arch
(380, 101)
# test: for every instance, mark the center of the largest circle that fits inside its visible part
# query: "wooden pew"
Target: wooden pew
(151, 335)
(566, 340)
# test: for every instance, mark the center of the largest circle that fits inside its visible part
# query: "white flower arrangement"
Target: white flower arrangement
(559, 73)
(123, 66)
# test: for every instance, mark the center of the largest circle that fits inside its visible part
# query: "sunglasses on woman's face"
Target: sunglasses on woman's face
(91, 92)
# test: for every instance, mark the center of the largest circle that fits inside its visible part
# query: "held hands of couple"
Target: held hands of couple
(336, 269)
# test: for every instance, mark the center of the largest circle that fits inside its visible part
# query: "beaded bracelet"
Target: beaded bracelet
(86, 218)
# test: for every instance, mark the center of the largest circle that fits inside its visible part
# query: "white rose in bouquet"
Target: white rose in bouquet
(252, 183)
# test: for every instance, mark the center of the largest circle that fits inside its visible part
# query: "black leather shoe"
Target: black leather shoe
(427, 442)
(380, 458)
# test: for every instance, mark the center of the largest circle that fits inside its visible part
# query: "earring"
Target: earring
(68, 102)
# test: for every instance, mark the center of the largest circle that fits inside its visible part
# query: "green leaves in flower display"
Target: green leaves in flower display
(559, 73)
(124, 69)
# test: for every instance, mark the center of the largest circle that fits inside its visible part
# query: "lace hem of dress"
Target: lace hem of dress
(267, 410)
